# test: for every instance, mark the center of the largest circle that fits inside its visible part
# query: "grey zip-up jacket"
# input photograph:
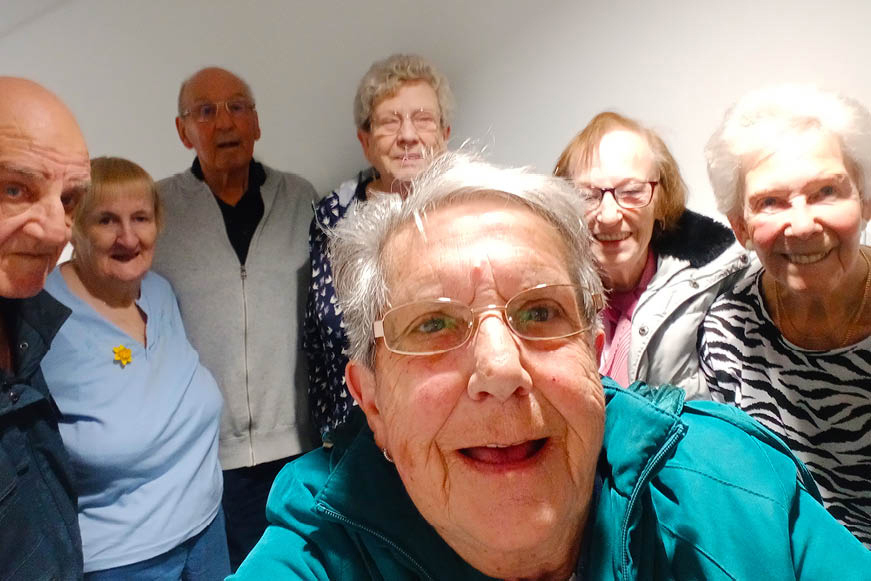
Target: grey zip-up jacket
(244, 320)
(696, 262)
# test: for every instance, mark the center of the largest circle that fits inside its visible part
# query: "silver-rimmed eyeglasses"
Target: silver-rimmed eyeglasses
(207, 112)
(428, 327)
(423, 121)
(628, 195)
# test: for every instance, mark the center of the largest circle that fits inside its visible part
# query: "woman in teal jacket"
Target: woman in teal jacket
(491, 449)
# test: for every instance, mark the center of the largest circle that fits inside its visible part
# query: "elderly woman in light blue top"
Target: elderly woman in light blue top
(139, 412)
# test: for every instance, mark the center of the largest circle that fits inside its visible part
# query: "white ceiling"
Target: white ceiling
(14, 13)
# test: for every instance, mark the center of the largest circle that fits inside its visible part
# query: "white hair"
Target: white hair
(358, 242)
(760, 122)
(385, 77)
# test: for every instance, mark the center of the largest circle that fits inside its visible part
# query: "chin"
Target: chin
(21, 287)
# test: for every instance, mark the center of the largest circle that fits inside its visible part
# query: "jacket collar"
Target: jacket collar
(34, 321)
(639, 420)
(680, 242)
(258, 174)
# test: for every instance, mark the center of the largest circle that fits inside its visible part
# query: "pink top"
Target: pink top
(618, 325)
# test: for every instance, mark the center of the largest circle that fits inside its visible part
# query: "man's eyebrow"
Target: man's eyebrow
(24, 171)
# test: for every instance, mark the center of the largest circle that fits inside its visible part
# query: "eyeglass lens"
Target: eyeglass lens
(422, 120)
(206, 112)
(546, 312)
(629, 195)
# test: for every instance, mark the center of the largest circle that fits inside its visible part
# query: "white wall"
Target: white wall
(527, 74)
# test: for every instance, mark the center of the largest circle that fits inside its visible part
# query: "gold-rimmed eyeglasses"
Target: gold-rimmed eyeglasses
(208, 112)
(427, 327)
(423, 121)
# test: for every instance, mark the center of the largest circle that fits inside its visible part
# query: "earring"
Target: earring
(748, 245)
(387, 455)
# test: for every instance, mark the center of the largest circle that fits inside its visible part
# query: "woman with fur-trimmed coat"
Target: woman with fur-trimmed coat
(663, 265)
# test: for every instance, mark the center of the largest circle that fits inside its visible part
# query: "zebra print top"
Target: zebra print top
(819, 402)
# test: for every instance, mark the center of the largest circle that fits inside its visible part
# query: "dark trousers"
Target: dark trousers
(245, 493)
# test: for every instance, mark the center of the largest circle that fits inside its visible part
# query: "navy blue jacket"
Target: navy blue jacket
(39, 530)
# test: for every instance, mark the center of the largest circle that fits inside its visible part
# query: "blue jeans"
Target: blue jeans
(203, 557)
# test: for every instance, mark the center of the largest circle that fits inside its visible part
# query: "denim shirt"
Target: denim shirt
(39, 531)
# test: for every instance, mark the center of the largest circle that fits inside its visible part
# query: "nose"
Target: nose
(498, 370)
(609, 211)
(49, 222)
(407, 131)
(802, 220)
(222, 117)
(127, 236)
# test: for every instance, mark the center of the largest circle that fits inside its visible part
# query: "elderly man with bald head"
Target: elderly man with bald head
(235, 249)
(44, 170)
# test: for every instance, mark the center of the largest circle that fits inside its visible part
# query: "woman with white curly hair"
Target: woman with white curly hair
(402, 112)
(791, 343)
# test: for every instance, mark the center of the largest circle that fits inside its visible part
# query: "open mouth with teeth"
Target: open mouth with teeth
(616, 237)
(498, 455)
(806, 258)
(124, 256)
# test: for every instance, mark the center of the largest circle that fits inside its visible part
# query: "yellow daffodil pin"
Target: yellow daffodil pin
(122, 355)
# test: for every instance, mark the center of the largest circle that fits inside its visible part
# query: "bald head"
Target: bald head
(34, 109)
(44, 171)
(208, 76)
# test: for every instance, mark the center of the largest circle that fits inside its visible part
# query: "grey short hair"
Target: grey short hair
(384, 78)
(184, 84)
(358, 242)
(759, 122)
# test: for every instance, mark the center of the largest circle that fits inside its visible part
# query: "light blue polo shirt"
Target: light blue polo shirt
(143, 438)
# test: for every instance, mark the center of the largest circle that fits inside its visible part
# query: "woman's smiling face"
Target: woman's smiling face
(622, 235)
(496, 441)
(803, 213)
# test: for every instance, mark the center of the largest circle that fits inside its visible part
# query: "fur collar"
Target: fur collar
(695, 238)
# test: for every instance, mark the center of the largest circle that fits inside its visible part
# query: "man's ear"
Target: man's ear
(361, 385)
(256, 126)
(446, 133)
(182, 133)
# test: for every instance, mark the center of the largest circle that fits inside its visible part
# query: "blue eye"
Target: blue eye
(13, 191)
(436, 323)
(538, 314)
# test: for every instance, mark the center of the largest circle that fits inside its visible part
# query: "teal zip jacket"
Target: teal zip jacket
(692, 490)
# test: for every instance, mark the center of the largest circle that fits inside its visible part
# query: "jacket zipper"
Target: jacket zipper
(677, 433)
(244, 275)
(343, 519)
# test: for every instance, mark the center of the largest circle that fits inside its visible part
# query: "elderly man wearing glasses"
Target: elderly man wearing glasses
(234, 249)
(662, 264)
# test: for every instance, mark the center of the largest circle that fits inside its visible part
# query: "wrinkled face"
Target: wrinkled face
(226, 143)
(118, 236)
(803, 213)
(622, 235)
(44, 171)
(400, 153)
(496, 441)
